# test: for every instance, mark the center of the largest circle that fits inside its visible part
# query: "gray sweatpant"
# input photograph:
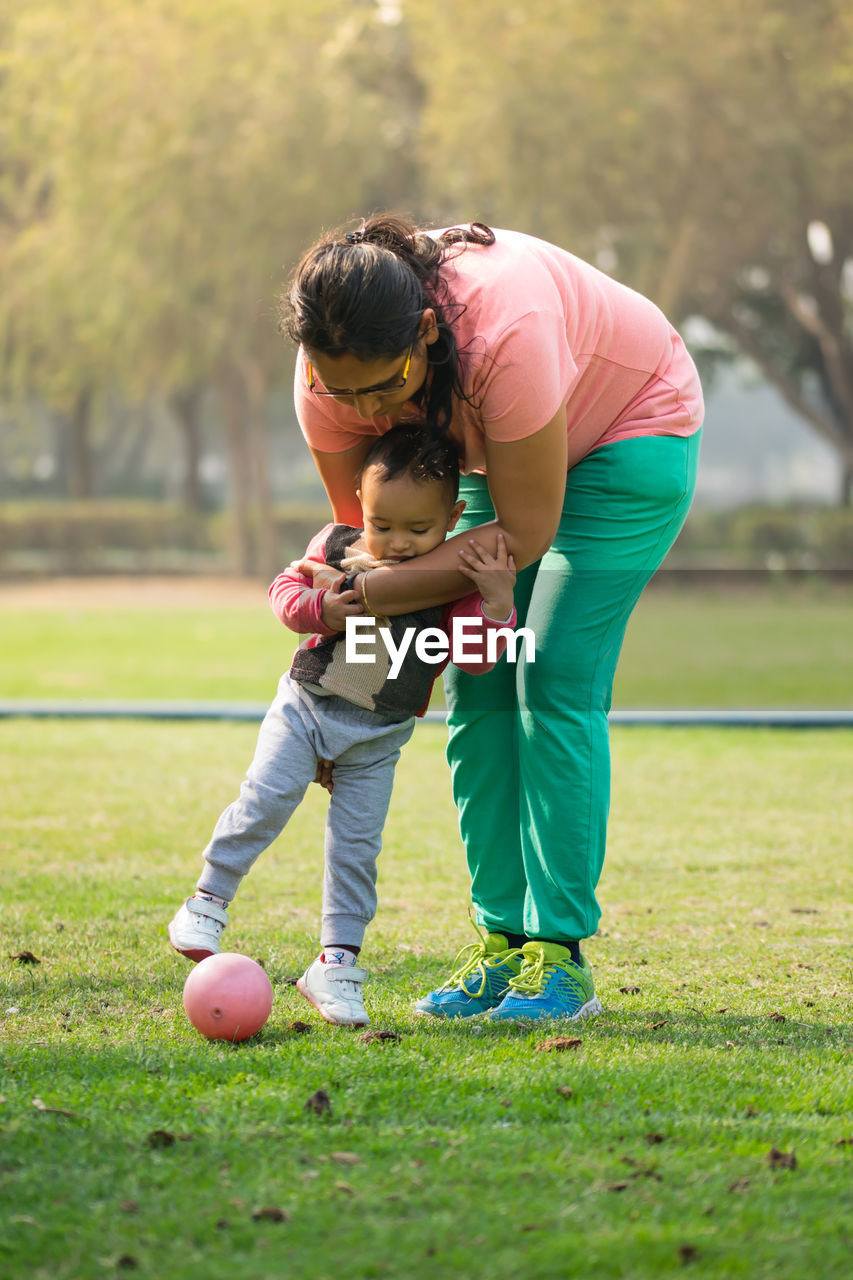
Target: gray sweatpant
(300, 728)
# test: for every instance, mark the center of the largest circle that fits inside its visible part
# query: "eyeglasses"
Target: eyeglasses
(347, 393)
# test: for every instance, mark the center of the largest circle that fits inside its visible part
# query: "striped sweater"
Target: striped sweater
(320, 659)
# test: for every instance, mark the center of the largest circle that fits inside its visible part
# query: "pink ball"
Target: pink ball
(228, 997)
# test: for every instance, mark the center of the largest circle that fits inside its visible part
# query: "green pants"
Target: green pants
(529, 747)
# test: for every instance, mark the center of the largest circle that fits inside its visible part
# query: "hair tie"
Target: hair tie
(355, 237)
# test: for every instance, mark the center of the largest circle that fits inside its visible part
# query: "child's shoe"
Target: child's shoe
(335, 992)
(550, 985)
(197, 927)
(483, 971)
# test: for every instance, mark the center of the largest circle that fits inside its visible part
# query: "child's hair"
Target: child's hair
(363, 293)
(419, 451)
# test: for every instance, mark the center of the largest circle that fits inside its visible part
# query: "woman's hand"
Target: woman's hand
(493, 576)
(323, 576)
(324, 773)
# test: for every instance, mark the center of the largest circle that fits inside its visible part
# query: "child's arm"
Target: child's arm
(492, 575)
(492, 605)
(294, 599)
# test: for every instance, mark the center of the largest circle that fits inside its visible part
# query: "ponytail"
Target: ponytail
(364, 292)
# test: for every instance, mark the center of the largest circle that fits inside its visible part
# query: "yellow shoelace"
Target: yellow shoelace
(474, 958)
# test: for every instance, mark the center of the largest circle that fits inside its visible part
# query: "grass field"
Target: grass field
(218, 640)
(130, 1146)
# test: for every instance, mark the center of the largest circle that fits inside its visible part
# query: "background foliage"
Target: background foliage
(164, 165)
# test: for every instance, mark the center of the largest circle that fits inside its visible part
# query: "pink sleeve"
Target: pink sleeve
(293, 598)
(475, 639)
(529, 376)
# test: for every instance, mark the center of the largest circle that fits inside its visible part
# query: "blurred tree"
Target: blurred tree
(162, 161)
(699, 152)
(168, 158)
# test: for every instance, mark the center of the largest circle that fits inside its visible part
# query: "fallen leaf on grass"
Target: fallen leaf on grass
(320, 1103)
(688, 1253)
(655, 1026)
(25, 957)
(269, 1213)
(642, 1170)
(618, 1186)
(777, 1017)
(345, 1188)
(564, 1091)
(844, 1142)
(345, 1157)
(378, 1037)
(739, 1184)
(653, 1138)
(56, 1111)
(160, 1138)
(630, 991)
(559, 1044)
(781, 1159)
(724, 1009)
(804, 911)
(301, 1028)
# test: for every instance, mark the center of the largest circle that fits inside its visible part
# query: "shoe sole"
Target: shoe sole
(193, 953)
(336, 1022)
(450, 1017)
(591, 1009)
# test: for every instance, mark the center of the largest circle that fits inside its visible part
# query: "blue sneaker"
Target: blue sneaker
(482, 974)
(550, 985)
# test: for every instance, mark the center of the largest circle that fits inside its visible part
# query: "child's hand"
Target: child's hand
(322, 575)
(337, 606)
(493, 576)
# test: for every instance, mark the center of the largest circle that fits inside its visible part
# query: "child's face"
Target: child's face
(404, 517)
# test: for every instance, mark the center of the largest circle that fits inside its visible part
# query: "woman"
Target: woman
(578, 412)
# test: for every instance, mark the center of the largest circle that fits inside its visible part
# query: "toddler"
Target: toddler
(355, 714)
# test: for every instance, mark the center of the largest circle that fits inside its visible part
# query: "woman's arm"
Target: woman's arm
(527, 481)
(339, 473)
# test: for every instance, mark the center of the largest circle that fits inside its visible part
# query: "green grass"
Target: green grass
(762, 648)
(450, 1153)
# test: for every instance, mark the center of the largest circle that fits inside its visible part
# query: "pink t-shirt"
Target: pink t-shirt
(542, 330)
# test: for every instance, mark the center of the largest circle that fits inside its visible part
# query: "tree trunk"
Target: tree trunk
(186, 406)
(233, 400)
(845, 497)
(80, 447)
(266, 540)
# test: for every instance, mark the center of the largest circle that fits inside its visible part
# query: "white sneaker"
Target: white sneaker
(335, 992)
(197, 927)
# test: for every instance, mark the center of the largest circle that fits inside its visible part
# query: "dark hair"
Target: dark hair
(363, 293)
(418, 450)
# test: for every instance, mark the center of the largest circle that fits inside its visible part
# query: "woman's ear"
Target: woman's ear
(428, 327)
